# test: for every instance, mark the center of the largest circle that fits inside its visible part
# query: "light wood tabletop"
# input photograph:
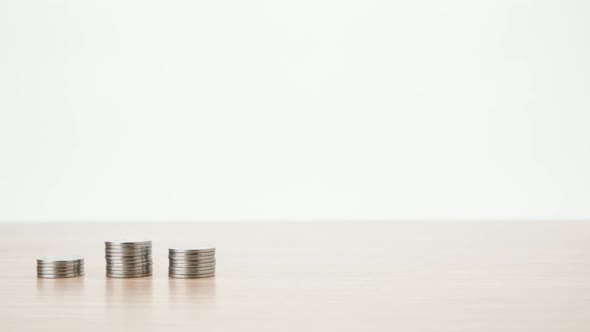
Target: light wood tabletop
(522, 276)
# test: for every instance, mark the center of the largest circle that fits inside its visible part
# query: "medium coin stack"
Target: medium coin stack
(190, 263)
(128, 259)
(53, 267)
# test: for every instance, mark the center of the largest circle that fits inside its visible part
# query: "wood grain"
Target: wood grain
(309, 277)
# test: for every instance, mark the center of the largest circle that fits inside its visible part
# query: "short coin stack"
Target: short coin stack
(190, 263)
(54, 267)
(128, 259)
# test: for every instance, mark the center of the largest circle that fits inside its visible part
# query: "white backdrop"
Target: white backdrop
(294, 110)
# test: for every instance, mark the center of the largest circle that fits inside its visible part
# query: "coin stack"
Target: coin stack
(60, 267)
(190, 263)
(128, 259)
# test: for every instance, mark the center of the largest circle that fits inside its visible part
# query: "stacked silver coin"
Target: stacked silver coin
(128, 259)
(190, 263)
(54, 267)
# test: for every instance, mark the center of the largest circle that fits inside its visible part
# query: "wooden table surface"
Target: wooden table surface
(524, 276)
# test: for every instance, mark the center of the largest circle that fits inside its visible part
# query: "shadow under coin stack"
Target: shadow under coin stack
(60, 267)
(128, 259)
(188, 263)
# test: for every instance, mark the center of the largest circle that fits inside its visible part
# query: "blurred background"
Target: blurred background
(294, 110)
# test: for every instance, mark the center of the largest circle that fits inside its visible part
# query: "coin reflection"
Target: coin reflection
(129, 298)
(62, 288)
(126, 290)
(201, 290)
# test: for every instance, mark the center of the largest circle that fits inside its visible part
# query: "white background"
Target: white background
(294, 110)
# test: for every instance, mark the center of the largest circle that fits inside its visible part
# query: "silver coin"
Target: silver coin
(60, 269)
(61, 263)
(193, 266)
(129, 274)
(142, 244)
(128, 247)
(137, 263)
(181, 276)
(59, 273)
(129, 263)
(127, 277)
(192, 250)
(59, 277)
(127, 255)
(193, 271)
(128, 252)
(137, 270)
(128, 242)
(128, 258)
(131, 244)
(132, 272)
(190, 271)
(195, 275)
(184, 266)
(207, 255)
(190, 263)
(142, 248)
(119, 275)
(59, 266)
(129, 269)
(124, 255)
(54, 263)
(59, 259)
(192, 254)
(192, 257)
(180, 266)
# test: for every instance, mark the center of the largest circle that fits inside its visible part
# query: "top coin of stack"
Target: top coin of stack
(128, 259)
(191, 262)
(53, 267)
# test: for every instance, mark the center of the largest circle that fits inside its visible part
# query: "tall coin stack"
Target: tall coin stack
(190, 263)
(128, 259)
(60, 267)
